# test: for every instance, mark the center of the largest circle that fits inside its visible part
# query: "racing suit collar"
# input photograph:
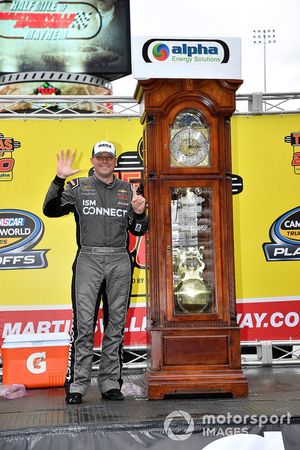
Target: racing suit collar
(106, 185)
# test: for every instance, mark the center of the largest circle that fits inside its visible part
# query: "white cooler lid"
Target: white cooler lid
(34, 339)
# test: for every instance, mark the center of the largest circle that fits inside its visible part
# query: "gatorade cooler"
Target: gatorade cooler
(35, 360)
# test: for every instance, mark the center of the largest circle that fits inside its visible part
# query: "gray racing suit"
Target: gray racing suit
(103, 214)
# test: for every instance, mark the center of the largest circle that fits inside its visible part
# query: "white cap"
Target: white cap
(104, 147)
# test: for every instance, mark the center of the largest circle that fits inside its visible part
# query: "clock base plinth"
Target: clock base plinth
(196, 382)
(195, 360)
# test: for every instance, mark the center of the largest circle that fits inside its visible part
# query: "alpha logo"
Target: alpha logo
(20, 231)
(7, 162)
(285, 237)
(161, 52)
(49, 20)
(36, 363)
(294, 140)
(186, 51)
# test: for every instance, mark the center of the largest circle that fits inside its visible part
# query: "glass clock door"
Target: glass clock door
(192, 250)
(193, 246)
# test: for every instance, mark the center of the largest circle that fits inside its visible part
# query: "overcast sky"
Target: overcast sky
(230, 18)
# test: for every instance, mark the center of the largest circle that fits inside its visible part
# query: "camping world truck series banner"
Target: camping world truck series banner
(36, 253)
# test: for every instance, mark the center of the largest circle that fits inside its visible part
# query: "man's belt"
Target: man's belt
(103, 250)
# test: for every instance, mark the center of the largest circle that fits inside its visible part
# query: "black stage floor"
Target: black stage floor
(272, 391)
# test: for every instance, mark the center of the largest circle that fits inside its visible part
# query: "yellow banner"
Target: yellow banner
(266, 213)
(36, 252)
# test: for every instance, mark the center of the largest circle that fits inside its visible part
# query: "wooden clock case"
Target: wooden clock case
(198, 352)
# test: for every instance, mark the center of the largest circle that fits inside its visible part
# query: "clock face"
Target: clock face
(189, 147)
(189, 140)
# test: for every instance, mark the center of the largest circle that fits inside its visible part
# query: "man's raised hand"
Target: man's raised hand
(64, 164)
(138, 202)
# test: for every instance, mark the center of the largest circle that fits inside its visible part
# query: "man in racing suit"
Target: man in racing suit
(104, 208)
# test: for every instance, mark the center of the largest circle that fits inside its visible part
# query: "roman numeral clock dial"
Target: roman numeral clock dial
(189, 142)
(189, 148)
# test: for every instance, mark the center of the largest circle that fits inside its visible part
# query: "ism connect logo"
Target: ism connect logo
(161, 52)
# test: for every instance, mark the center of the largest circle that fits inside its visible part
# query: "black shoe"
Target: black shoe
(113, 394)
(74, 398)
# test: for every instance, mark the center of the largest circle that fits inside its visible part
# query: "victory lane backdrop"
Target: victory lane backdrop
(38, 298)
(265, 155)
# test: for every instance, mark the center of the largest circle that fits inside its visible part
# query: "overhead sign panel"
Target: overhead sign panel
(89, 36)
(216, 58)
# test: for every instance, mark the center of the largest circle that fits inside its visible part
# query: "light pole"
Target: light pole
(264, 37)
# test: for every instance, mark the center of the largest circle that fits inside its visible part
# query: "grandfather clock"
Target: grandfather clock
(194, 344)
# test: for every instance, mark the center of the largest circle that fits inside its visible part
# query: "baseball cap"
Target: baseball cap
(103, 146)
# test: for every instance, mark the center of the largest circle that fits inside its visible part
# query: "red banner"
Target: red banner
(48, 320)
(269, 319)
(259, 320)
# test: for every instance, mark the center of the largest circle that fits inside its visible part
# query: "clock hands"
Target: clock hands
(189, 144)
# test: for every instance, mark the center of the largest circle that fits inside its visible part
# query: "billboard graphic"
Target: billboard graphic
(269, 319)
(294, 140)
(266, 228)
(67, 36)
(50, 20)
(58, 319)
(20, 231)
(7, 162)
(285, 236)
(47, 89)
(130, 168)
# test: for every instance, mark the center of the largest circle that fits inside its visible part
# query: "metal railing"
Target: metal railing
(82, 107)
(67, 107)
(133, 358)
(259, 103)
(263, 353)
(271, 353)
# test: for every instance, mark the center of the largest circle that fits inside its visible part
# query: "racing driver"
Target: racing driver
(105, 208)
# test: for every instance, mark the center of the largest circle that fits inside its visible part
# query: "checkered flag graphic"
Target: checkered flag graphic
(81, 20)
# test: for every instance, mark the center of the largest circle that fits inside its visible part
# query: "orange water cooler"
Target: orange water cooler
(35, 360)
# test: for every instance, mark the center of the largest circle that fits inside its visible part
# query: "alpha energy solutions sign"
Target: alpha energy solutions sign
(154, 57)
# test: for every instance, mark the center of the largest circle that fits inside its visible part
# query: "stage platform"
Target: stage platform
(43, 421)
